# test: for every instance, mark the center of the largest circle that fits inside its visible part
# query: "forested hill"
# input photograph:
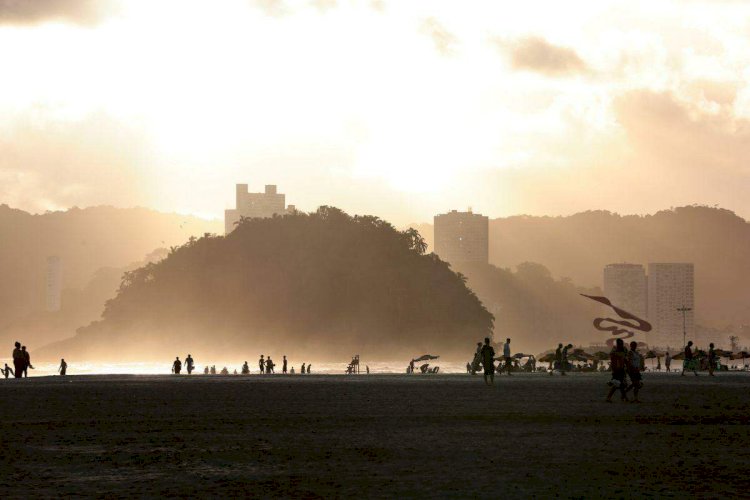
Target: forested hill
(323, 285)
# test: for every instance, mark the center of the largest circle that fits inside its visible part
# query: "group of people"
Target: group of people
(21, 363)
(485, 355)
(265, 366)
(625, 365)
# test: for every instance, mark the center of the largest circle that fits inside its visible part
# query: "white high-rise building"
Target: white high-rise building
(626, 287)
(54, 284)
(462, 237)
(670, 287)
(262, 205)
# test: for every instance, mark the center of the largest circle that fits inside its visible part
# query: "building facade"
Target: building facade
(626, 287)
(670, 287)
(261, 205)
(462, 237)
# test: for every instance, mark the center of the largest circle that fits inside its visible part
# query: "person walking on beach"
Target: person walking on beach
(488, 362)
(711, 359)
(213, 369)
(506, 356)
(205, 370)
(667, 361)
(189, 364)
(634, 365)
(309, 365)
(617, 365)
(558, 359)
(283, 366)
(269, 365)
(262, 365)
(18, 360)
(7, 371)
(564, 363)
(302, 371)
(688, 363)
(63, 367)
(26, 361)
(246, 369)
(177, 366)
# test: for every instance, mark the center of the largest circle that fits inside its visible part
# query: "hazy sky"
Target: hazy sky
(397, 108)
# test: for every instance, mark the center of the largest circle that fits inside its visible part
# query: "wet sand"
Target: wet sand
(373, 436)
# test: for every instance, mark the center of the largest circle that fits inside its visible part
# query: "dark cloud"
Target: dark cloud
(443, 40)
(86, 12)
(537, 54)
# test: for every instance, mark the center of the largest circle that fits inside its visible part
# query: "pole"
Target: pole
(684, 311)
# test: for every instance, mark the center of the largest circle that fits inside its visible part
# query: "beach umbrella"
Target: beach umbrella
(426, 357)
(582, 355)
(679, 356)
(520, 355)
(722, 353)
(601, 355)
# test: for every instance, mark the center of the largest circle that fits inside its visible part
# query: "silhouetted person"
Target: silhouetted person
(291, 371)
(689, 363)
(711, 359)
(564, 363)
(245, 369)
(262, 364)
(283, 366)
(213, 369)
(26, 361)
(308, 368)
(558, 359)
(411, 366)
(487, 354)
(617, 365)
(506, 356)
(7, 371)
(18, 360)
(224, 371)
(269, 365)
(634, 365)
(177, 366)
(667, 361)
(63, 367)
(189, 364)
(302, 370)
(367, 369)
(468, 367)
(205, 370)
(477, 359)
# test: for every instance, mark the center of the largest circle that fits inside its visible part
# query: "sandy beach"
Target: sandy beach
(373, 436)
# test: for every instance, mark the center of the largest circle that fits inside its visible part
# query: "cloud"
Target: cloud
(85, 12)
(46, 164)
(444, 41)
(537, 54)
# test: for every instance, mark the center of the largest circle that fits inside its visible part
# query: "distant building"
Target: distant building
(626, 286)
(261, 205)
(462, 237)
(54, 284)
(670, 286)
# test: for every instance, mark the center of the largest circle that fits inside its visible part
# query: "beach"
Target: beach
(373, 436)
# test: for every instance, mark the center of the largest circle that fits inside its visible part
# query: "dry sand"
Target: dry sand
(373, 436)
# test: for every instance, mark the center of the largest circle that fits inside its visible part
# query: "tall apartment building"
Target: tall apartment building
(670, 287)
(53, 294)
(262, 205)
(462, 237)
(626, 286)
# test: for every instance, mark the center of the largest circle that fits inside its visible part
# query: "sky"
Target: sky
(401, 109)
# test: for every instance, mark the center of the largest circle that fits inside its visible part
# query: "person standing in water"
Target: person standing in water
(487, 354)
(63, 367)
(189, 364)
(283, 367)
(177, 366)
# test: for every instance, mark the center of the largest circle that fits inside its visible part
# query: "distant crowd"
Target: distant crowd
(265, 366)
